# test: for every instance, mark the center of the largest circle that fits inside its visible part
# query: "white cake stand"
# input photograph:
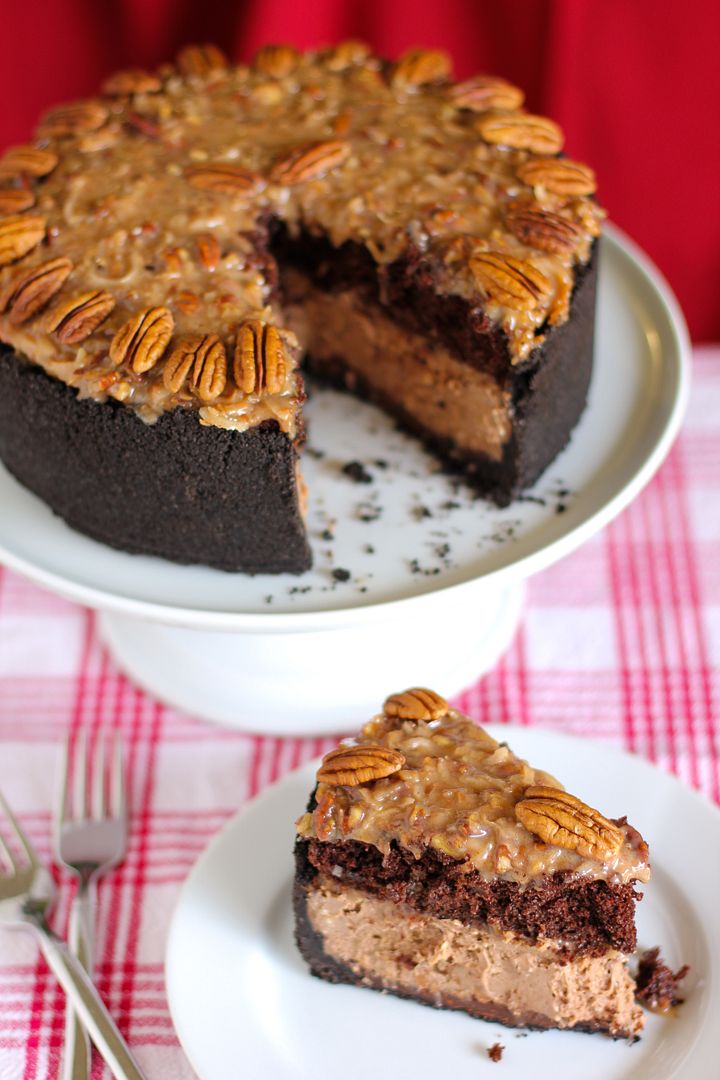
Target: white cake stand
(415, 580)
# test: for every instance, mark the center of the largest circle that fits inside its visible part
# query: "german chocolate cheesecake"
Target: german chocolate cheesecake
(172, 248)
(434, 864)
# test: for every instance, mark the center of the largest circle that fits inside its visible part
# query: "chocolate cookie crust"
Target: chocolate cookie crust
(176, 489)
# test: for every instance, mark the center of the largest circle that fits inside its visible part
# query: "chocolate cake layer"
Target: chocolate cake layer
(347, 936)
(586, 917)
(175, 488)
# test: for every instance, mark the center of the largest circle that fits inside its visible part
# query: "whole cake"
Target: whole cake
(171, 248)
(434, 864)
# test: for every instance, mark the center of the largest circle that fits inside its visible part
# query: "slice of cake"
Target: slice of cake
(434, 864)
(170, 248)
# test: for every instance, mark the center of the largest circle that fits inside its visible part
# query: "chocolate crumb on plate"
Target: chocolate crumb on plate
(366, 511)
(340, 574)
(657, 986)
(420, 512)
(495, 1052)
(357, 472)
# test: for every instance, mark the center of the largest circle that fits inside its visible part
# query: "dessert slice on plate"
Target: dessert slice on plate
(434, 864)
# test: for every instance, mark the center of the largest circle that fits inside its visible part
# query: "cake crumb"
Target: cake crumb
(368, 512)
(657, 986)
(495, 1052)
(340, 574)
(420, 512)
(357, 472)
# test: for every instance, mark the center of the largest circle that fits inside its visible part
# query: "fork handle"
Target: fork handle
(77, 1054)
(89, 1006)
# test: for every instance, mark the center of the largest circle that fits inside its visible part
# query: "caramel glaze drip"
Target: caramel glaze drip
(457, 792)
(159, 192)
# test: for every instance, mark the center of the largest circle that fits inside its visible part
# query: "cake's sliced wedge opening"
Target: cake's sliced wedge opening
(355, 342)
(349, 936)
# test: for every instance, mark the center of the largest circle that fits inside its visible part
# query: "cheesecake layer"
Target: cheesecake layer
(417, 380)
(349, 936)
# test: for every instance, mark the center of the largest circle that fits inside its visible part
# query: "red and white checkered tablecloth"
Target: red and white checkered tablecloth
(620, 641)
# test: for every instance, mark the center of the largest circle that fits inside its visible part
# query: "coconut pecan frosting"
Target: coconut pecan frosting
(424, 776)
(132, 258)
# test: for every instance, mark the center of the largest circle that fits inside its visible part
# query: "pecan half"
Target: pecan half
(201, 60)
(132, 81)
(309, 161)
(514, 283)
(209, 375)
(543, 230)
(146, 125)
(521, 131)
(416, 704)
(75, 319)
(19, 234)
(346, 54)
(15, 200)
(179, 363)
(27, 161)
(418, 67)
(485, 92)
(28, 293)
(209, 251)
(558, 175)
(222, 177)
(202, 359)
(101, 139)
(276, 60)
(74, 119)
(141, 341)
(558, 818)
(188, 302)
(259, 363)
(353, 765)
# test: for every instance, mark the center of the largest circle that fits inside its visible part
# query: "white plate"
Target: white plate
(637, 399)
(244, 1004)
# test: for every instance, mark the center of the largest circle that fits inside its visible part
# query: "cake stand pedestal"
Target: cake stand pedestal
(321, 680)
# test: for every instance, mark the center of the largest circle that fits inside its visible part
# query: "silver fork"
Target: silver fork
(26, 893)
(90, 838)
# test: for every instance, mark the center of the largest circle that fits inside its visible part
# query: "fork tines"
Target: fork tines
(92, 782)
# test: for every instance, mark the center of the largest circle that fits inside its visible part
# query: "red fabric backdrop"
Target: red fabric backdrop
(634, 84)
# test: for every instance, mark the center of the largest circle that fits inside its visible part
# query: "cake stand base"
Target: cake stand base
(315, 682)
